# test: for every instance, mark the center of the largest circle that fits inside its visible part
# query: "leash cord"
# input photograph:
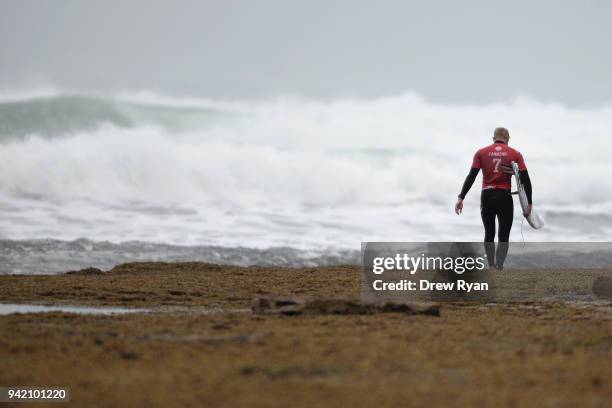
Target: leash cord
(522, 236)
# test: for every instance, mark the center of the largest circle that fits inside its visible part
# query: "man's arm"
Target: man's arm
(469, 181)
(524, 176)
(467, 184)
(525, 181)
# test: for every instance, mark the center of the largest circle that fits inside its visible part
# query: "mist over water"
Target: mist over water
(290, 172)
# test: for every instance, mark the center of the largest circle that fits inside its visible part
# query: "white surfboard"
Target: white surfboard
(534, 219)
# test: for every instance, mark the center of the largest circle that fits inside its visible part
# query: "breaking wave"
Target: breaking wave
(285, 172)
(68, 114)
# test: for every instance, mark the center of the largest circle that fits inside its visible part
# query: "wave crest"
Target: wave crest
(67, 114)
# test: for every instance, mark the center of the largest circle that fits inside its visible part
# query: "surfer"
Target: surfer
(496, 199)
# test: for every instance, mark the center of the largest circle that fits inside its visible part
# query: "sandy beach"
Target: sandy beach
(202, 346)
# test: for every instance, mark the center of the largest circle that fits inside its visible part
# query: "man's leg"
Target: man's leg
(487, 213)
(505, 216)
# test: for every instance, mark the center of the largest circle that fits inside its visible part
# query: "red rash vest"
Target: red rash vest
(491, 158)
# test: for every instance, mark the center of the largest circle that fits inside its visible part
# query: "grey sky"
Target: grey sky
(452, 51)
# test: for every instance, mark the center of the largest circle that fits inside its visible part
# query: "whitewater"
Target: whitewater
(86, 178)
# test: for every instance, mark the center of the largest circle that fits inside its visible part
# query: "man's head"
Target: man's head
(501, 134)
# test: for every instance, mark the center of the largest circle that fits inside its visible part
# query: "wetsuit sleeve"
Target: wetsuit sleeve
(521, 162)
(469, 180)
(524, 176)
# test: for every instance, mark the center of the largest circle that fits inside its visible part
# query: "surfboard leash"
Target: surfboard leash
(522, 236)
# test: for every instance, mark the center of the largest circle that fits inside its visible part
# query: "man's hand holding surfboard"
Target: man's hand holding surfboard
(509, 170)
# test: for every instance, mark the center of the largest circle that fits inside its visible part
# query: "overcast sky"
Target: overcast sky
(451, 51)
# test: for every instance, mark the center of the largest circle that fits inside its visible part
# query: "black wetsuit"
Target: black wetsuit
(496, 203)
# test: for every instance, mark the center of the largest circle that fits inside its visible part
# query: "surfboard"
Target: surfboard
(534, 219)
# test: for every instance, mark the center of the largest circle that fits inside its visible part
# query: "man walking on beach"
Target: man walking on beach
(496, 199)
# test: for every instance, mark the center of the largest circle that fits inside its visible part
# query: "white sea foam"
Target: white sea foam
(294, 172)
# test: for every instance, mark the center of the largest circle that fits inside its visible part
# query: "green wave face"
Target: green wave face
(67, 114)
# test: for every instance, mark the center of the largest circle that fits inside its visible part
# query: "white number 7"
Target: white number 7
(496, 169)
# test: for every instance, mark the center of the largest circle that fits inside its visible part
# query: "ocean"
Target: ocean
(95, 180)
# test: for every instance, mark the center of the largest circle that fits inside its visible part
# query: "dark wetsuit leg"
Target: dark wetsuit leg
(505, 214)
(496, 203)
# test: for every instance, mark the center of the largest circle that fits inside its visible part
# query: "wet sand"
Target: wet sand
(203, 347)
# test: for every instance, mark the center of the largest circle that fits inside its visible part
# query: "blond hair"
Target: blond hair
(501, 133)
